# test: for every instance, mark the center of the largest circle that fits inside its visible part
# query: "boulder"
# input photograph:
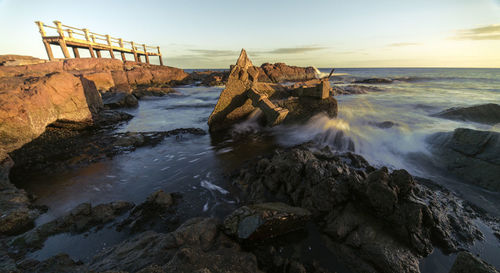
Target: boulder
(484, 113)
(29, 104)
(102, 80)
(471, 155)
(374, 81)
(196, 246)
(153, 91)
(79, 65)
(113, 100)
(139, 75)
(466, 262)
(265, 220)
(16, 60)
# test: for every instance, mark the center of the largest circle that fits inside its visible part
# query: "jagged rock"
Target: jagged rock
(119, 100)
(78, 220)
(484, 113)
(469, 154)
(265, 220)
(280, 72)
(355, 205)
(196, 246)
(466, 263)
(155, 206)
(244, 94)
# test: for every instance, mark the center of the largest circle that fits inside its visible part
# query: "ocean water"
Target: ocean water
(198, 166)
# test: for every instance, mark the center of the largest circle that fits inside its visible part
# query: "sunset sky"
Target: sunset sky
(210, 34)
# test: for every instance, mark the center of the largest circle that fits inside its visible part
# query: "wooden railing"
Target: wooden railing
(76, 38)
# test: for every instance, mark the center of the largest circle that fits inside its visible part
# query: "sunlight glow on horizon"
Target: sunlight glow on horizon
(210, 34)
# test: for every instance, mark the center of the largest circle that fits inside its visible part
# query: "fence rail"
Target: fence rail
(92, 41)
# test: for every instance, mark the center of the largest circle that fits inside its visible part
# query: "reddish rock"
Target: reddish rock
(92, 64)
(167, 74)
(280, 72)
(121, 81)
(102, 80)
(33, 69)
(138, 76)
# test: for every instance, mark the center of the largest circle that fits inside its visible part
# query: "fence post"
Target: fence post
(97, 51)
(110, 46)
(145, 53)
(45, 43)
(136, 57)
(122, 53)
(161, 60)
(87, 37)
(62, 43)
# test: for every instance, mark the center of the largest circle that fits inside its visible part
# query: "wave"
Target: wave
(199, 105)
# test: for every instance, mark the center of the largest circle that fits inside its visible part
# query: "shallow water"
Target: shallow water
(197, 166)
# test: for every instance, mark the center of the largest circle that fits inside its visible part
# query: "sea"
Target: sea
(199, 167)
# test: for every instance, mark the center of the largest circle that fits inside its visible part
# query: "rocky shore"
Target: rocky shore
(62, 115)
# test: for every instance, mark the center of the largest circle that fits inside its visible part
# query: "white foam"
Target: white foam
(212, 187)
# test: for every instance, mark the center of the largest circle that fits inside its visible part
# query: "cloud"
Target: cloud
(210, 53)
(402, 44)
(490, 32)
(294, 50)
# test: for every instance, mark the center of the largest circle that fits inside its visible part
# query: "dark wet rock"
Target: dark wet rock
(208, 78)
(265, 220)
(374, 81)
(353, 89)
(467, 263)
(63, 148)
(471, 155)
(484, 113)
(281, 72)
(111, 118)
(384, 124)
(113, 100)
(196, 246)
(143, 216)
(80, 219)
(60, 263)
(374, 220)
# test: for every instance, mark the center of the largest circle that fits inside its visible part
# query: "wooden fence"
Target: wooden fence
(77, 38)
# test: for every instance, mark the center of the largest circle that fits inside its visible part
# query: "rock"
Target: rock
(102, 80)
(111, 117)
(29, 104)
(484, 113)
(280, 72)
(354, 205)
(265, 220)
(374, 81)
(466, 262)
(60, 263)
(244, 94)
(384, 124)
(141, 92)
(353, 89)
(469, 154)
(155, 207)
(16, 60)
(196, 246)
(78, 220)
(77, 65)
(119, 100)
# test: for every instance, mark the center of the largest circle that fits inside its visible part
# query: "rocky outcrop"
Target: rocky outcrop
(353, 89)
(484, 113)
(244, 93)
(196, 246)
(80, 219)
(15, 60)
(374, 220)
(469, 154)
(466, 262)
(264, 221)
(281, 72)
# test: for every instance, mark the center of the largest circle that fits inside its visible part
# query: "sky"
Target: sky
(210, 34)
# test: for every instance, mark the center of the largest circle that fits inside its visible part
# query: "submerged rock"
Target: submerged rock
(374, 220)
(79, 219)
(471, 155)
(467, 263)
(196, 246)
(374, 80)
(484, 113)
(353, 89)
(119, 100)
(265, 220)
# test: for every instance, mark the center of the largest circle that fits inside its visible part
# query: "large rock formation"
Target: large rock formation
(245, 92)
(374, 220)
(471, 155)
(466, 262)
(484, 113)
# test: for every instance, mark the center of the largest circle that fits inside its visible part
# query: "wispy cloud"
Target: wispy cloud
(294, 50)
(210, 53)
(402, 44)
(490, 32)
